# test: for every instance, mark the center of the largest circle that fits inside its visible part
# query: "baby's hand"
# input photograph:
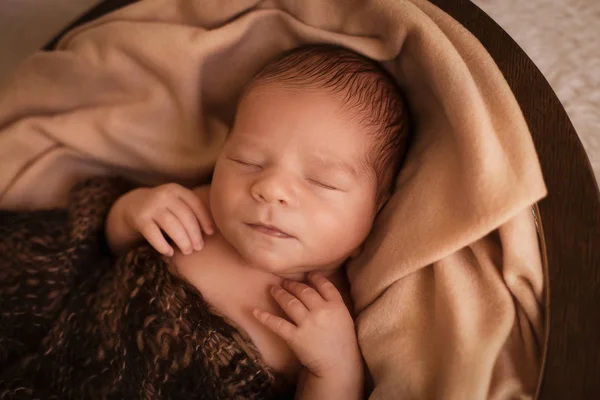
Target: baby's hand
(173, 209)
(322, 334)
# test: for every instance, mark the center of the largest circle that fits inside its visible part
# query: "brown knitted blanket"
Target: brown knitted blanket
(76, 323)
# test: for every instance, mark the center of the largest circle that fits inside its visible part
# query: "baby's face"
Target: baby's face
(296, 162)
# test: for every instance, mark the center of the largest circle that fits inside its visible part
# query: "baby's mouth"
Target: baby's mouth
(270, 230)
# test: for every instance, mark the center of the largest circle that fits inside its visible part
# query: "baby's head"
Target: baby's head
(318, 137)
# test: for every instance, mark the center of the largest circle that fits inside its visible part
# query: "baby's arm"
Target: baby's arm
(323, 337)
(146, 213)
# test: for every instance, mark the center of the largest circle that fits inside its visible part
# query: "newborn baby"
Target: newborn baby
(318, 137)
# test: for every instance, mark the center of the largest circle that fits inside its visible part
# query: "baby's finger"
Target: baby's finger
(290, 304)
(154, 236)
(186, 216)
(278, 325)
(202, 213)
(325, 288)
(307, 295)
(168, 222)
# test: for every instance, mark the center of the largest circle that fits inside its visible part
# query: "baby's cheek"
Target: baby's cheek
(326, 230)
(348, 229)
(220, 208)
(329, 220)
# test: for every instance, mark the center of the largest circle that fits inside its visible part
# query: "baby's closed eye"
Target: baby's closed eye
(246, 163)
(323, 185)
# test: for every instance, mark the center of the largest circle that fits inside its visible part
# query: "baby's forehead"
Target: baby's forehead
(350, 106)
(326, 117)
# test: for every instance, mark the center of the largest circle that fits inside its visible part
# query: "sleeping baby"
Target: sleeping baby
(232, 290)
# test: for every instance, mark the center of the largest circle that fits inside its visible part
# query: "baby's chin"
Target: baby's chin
(285, 268)
(288, 262)
(269, 261)
(273, 258)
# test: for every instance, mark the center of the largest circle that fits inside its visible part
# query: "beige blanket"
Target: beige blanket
(447, 309)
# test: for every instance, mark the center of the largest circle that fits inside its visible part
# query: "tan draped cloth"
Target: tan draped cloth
(449, 288)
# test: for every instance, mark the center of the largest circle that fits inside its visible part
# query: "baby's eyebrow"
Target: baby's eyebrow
(336, 164)
(248, 141)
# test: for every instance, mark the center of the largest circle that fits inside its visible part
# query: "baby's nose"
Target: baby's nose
(274, 189)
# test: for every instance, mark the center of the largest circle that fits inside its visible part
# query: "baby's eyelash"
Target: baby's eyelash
(245, 163)
(323, 185)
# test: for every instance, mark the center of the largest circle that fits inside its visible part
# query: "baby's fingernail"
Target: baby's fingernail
(170, 253)
(198, 245)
